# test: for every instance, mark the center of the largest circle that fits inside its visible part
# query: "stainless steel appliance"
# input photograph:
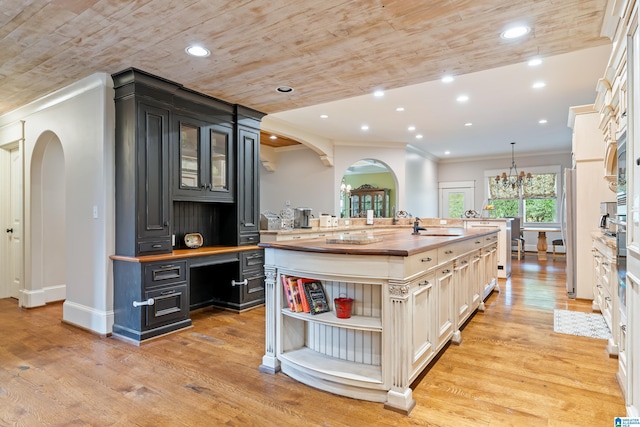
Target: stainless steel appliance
(302, 217)
(568, 227)
(608, 212)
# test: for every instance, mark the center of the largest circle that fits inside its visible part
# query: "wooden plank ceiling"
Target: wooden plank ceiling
(326, 50)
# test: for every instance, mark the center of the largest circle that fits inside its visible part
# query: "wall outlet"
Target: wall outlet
(443, 221)
(95, 212)
(287, 202)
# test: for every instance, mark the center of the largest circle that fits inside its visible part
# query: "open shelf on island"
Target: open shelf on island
(332, 367)
(362, 323)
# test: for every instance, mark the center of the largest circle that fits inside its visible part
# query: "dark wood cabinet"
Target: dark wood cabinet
(203, 160)
(151, 299)
(248, 179)
(367, 197)
(142, 176)
(185, 162)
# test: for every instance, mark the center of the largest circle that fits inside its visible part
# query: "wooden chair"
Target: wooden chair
(554, 243)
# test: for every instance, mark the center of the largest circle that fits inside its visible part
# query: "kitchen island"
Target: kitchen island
(412, 293)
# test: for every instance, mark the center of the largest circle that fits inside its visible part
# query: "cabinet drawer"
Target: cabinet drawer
(170, 304)
(164, 273)
(449, 252)
(249, 239)
(252, 260)
(422, 261)
(157, 246)
(254, 289)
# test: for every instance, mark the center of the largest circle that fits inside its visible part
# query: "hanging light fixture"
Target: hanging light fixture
(345, 188)
(514, 179)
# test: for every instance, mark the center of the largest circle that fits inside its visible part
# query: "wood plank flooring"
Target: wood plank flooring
(511, 369)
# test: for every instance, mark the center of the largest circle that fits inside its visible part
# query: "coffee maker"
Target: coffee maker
(608, 213)
(301, 218)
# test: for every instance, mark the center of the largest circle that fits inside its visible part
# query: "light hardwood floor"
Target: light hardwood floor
(511, 369)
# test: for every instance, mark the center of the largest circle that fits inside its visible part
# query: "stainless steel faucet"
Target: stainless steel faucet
(416, 226)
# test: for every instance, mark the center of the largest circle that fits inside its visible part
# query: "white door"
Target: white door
(456, 198)
(14, 229)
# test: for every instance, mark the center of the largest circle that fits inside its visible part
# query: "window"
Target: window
(537, 200)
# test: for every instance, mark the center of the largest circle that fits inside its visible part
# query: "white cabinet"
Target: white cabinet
(406, 309)
(605, 289)
(445, 312)
(503, 255)
(422, 305)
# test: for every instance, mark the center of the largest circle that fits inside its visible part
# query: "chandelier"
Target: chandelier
(345, 188)
(514, 179)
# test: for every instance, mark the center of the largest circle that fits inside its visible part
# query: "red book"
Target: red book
(303, 295)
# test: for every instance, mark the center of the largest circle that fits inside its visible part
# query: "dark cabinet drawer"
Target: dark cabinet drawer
(252, 260)
(157, 246)
(170, 304)
(253, 290)
(164, 273)
(249, 239)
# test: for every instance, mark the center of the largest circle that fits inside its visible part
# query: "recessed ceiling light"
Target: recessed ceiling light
(400, 109)
(198, 51)
(419, 136)
(284, 89)
(462, 98)
(364, 127)
(447, 79)
(538, 85)
(378, 93)
(324, 116)
(468, 124)
(446, 153)
(515, 32)
(411, 128)
(542, 121)
(535, 61)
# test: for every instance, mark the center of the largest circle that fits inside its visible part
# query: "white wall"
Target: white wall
(302, 178)
(82, 118)
(473, 170)
(421, 195)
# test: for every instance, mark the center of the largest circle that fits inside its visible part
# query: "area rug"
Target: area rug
(590, 325)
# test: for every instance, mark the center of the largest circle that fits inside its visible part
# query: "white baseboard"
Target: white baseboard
(30, 298)
(98, 321)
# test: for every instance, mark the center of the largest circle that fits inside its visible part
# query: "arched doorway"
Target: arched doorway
(48, 241)
(368, 175)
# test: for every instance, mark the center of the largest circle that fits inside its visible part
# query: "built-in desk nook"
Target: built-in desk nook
(411, 295)
(187, 220)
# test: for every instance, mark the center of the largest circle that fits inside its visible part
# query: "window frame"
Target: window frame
(557, 169)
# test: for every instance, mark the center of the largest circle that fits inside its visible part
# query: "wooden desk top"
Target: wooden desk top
(186, 253)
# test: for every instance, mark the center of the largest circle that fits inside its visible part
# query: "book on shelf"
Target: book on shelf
(287, 292)
(292, 282)
(316, 296)
(303, 295)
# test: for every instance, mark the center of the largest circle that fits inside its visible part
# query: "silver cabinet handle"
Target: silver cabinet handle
(427, 259)
(245, 282)
(150, 301)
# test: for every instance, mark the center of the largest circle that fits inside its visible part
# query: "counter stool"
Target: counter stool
(554, 243)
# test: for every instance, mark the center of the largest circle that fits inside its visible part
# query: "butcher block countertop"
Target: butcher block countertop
(392, 243)
(186, 253)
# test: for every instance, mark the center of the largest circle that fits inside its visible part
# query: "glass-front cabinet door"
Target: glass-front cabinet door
(205, 164)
